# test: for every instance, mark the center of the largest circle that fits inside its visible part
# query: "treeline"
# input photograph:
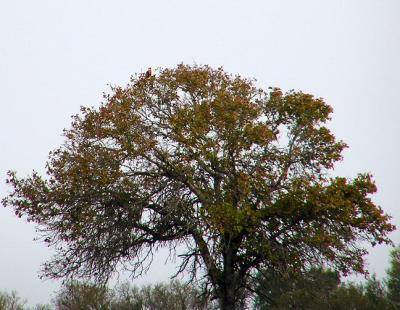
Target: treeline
(317, 289)
(88, 296)
(83, 295)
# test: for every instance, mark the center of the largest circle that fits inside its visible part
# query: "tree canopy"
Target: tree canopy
(195, 156)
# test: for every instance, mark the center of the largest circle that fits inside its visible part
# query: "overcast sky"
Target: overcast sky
(58, 55)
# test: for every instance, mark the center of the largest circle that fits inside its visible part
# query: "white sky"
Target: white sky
(58, 55)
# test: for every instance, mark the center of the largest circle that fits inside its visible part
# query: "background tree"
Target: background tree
(11, 301)
(172, 296)
(128, 297)
(376, 295)
(311, 290)
(318, 289)
(198, 157)
(368, 296)
(349, 296)
(393, 278)
(80, 295)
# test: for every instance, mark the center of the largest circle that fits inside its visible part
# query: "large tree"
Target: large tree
(197, 157)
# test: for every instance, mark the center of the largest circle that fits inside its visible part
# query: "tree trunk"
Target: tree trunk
(228, 300)
(228, 283)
